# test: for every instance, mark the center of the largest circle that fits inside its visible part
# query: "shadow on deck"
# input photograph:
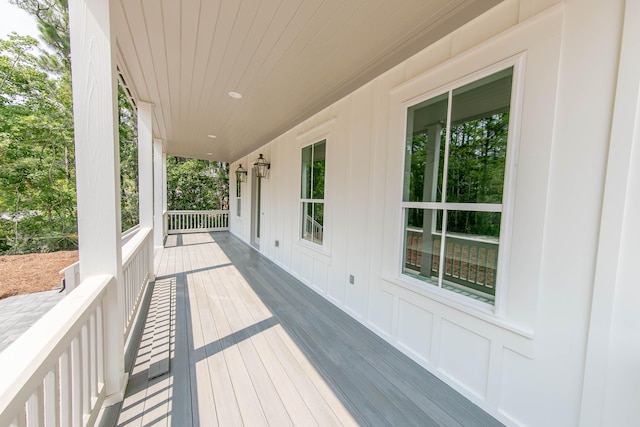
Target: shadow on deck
(251, 345)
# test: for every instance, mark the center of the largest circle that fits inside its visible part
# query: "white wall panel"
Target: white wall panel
(306, 268)
(357, 184)
(414, 330)
(381, 311)
(320, 273)
(464, 356)
(514, 385)
(336, 285)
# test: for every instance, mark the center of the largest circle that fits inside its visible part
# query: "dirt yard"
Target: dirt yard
(25, 274)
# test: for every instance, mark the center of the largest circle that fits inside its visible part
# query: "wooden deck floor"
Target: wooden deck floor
(250, 345)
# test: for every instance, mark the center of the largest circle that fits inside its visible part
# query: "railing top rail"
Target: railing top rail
(128, 234)
(25, 362)
(198, 211)
(133, 245)
(75, 265)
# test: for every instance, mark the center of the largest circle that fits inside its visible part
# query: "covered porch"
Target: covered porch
(248, 344)
(224, 335)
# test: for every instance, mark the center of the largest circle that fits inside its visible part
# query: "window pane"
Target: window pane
(313, 222)
(239, 206)
(318, 222)
(306, 172)
(422, 244)
(471, 253)
(424, 151)
(478, 141)
(319, 155)
(307, 221)
(238, 189)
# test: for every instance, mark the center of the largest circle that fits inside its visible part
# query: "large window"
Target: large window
(455, 158)
(312, 191)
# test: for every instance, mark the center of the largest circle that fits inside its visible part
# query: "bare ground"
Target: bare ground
(25, 274)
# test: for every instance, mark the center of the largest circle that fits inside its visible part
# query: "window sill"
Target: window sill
(471, 307)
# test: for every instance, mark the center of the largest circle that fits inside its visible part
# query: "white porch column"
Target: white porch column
(145, 163)
(164, 182)
(158, 193)
(610, 393)
(98, 168)
(145, 173)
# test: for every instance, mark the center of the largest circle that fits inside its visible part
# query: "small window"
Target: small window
(455, 159)
(238, 197)
(312, 191)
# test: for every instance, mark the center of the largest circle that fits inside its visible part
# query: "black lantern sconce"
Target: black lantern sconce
(241, 174)
(262, 167)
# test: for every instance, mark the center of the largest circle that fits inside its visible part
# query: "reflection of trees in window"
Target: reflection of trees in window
(477, 150)
(455, 157)
(475, 174)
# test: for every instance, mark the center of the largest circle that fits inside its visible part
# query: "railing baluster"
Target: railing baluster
(66, 400)
(51, 400)
(86, 375)
(100, 346)
(92, 355)
(76, 379)
(202, 221)
(20, 420)
(35, 407)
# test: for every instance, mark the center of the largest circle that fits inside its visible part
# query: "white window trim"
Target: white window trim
(322, 131)
(303, 200)
(508, 199)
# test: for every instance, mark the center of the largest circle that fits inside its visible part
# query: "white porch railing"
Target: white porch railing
(60, 382)
(54, 374)
(72, 272)
(197, 221)
(137, 257)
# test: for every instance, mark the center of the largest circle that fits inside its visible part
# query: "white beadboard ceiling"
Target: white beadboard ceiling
(288, 58)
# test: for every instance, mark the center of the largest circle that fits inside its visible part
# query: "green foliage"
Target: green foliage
(37, 173)
(196, 184)
(128, 133)
(37, 166)
(53, 23)
(37, 181)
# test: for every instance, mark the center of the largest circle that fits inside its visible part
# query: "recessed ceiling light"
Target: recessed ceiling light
(212, 136)
(235, 95)
(210, 154)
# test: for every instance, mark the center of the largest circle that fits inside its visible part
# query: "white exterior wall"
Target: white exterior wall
(524, 364)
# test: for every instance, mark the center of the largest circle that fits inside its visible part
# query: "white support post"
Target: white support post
(158, 192)
(145, 172)
(145, 163)
(164, 191)
(610, 392)
(98, 168)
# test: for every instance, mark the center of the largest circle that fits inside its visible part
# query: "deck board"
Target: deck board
(251, 345)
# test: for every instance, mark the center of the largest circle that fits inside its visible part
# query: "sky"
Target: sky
(12, 18)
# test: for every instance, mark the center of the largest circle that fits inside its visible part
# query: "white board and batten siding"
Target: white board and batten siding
(525, 362)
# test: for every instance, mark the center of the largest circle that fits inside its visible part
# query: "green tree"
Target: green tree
(37, 182)
(196, 184)
(128, 133)
(53, 23)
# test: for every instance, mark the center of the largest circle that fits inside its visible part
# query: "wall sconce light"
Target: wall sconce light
(262, 167)
(241, 174)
